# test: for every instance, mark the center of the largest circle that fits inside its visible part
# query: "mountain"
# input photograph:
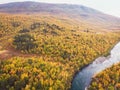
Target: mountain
(79, 13)
(18, 7)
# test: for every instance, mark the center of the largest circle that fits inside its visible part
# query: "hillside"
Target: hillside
(39, 53)
(79, 13)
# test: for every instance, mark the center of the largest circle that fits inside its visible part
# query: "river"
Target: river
(84, 77)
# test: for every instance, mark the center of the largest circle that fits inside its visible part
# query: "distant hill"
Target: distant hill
(45, 7)
(77, 12)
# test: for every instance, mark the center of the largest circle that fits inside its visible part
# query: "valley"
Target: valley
(43, 46)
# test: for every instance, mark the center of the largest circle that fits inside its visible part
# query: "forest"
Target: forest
(109, 79)
(45, 54)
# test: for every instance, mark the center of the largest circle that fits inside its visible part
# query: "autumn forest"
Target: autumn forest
(44, 52)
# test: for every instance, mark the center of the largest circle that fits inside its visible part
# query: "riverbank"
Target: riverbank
(97, 66)
(109, 79)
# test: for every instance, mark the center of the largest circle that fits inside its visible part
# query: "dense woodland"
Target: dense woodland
(109, 79)
(56, 51)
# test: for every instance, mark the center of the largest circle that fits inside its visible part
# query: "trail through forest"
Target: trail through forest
(8, 53)
(4, 53)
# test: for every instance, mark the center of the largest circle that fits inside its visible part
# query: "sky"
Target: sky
(111, 7)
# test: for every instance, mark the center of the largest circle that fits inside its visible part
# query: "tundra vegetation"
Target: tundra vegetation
(51, 52)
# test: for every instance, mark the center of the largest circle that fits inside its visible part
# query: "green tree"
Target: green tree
(24, 42)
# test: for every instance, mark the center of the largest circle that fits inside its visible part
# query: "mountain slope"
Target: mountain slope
(76, 12)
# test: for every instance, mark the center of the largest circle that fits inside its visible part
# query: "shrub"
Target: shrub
(24, 31)
(24, 42)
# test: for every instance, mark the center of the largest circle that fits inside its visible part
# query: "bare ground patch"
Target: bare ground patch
(6, 54)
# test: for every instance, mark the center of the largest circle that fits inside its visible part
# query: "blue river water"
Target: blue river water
(84, 77)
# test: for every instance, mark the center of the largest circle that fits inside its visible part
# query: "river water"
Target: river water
(83, 78)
